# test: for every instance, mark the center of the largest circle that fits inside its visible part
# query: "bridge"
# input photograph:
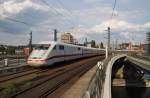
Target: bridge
(105, 77)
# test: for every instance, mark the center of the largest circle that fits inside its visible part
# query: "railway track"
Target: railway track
(44, 87)
(18, 75)
(63, 82)
(17, 71)
(19, 80)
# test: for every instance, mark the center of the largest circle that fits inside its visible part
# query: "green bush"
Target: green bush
(11, 88)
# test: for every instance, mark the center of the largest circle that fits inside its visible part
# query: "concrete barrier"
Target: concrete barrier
(107, 83)
(145, 64)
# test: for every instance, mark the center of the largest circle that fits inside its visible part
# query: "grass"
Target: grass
(9, 89)
(119, 73)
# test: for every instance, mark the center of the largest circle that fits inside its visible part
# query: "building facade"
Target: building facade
(67, 38)
(148, 43)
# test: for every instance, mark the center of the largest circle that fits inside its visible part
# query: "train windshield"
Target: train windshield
(39, 51)
(42, 47)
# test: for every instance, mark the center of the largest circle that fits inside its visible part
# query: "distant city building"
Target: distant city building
(138, 48)
(148, 42)
(130, 46)
(124, 45)
(145, 47)
(67, 38)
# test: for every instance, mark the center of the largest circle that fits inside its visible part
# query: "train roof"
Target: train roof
(46, 42)
(66, 44)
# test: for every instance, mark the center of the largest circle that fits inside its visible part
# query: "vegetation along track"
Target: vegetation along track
(12, 85)
(16, 78)
(17, 71)
(16, 75)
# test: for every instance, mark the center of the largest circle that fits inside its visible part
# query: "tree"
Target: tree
(101, 45)
(93, 44)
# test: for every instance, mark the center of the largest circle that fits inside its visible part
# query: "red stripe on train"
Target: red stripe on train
(58, 56)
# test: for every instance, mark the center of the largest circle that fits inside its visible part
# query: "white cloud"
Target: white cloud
(93, 15)
(115, 25)
(122, 29)
(91, 1)
(146, 26)
(12, 7)
(120, 25)
(124, 1)
(125, 34)
(17, 39)
(93, 19)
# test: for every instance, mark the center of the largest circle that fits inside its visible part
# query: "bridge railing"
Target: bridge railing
(96, 83)
(142, 57)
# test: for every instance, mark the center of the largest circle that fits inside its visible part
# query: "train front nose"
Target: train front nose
(36, 63)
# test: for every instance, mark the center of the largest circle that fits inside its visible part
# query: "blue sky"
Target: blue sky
(83, 18)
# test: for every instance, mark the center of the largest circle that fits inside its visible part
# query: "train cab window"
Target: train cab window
(42, 47)
(61, 47)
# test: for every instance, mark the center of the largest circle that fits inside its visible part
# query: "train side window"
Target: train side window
(61, 47)
(79, 48)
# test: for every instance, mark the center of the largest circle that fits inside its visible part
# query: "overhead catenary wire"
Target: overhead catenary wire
(109, 24)
(68, 10)
(5, 17)
(30, 24)
(11, 19)
(18, 21)
(56, 11)
(50, 7)
(22, 22)
(69, 13)
(112, 14)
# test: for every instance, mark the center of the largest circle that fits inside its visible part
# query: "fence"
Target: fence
(96, 84)
(5, 62)
(94, 89)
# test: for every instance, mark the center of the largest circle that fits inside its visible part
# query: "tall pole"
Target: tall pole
(55, 35)
(116, 44)
(106, 52)
(108, 38)
(85, 42)
(30, 42)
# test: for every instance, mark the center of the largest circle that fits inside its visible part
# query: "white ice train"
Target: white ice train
(48, 53)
